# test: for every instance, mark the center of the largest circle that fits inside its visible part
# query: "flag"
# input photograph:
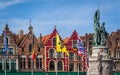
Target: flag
(81, 49)
(33, 49)
(5, 44)
(75, 50)
(33, 54)
(60, 46)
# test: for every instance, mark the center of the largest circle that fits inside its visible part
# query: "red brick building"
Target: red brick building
(11, 55)
(25, 51)
(54, 61)
(20, 50)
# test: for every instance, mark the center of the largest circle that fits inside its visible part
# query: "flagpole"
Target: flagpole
(56, 62)
(5, 49)
(5, 64)
(32, 66)
(78, 63)
(31, 54)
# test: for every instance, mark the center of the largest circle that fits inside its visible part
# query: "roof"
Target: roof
(66, 40)
(45, 38)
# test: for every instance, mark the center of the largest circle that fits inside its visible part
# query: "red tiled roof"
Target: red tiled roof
(66, 40)
(45, 38)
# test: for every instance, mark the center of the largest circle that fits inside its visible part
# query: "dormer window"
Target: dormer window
(74, 44)
(54, 41)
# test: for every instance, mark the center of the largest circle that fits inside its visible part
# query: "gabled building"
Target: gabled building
(47, 59)
(54, 61)
(75, 61)
(12, 52)
(25, 52)
(114, 45)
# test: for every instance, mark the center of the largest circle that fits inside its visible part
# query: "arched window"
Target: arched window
(60, 65)
(52, 65)
(51, 53)
(54, 41)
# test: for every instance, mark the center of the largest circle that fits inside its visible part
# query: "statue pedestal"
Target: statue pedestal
(100, 62)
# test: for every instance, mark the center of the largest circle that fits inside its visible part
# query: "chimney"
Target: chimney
(20, 34)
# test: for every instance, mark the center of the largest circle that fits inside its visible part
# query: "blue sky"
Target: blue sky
(67, 15)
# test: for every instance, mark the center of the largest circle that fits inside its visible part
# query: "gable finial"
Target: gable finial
(30, 27)
(55, 26)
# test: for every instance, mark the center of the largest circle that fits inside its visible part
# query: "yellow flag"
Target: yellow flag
(60, 47)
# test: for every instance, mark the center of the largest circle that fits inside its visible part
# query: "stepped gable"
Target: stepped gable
(48, 38)
(74, 36)
(69, 41)
(10, 34)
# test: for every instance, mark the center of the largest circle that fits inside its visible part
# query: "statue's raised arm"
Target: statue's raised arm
(97, 17)
(97, 28)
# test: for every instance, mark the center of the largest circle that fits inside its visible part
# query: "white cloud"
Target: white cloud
(9, 3)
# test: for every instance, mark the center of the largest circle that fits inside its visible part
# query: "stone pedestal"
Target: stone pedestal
(100, 62)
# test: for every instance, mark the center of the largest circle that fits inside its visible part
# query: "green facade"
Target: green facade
(47, 73)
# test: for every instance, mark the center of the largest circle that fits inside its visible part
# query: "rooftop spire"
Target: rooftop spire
(30, 27)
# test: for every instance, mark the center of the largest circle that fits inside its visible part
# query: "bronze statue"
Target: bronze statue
(97, 28)
(100, 33)
(103, 34)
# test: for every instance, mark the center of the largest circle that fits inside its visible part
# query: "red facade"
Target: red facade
(64, 58)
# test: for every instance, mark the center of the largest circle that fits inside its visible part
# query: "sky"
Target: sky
(66, 15)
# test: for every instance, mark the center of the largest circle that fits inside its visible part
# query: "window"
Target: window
(1, 50)
(29, 63)
(71, 57)
(71, 67)
(11, 51)
(52, 65)
(78, 58)
(51, 53)
(79, 66)
(0, 64)
(13, 64)
(54, 41)
(30, 48)
(22, 49)
(7, 64)
(59, 54)
(60, 65)
(38, 49)
(39, 63)
(22, 63)
(74, 44)
(90, 43)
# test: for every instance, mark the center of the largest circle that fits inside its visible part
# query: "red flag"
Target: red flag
(33, 49)
(33, 54)
(75, 50)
